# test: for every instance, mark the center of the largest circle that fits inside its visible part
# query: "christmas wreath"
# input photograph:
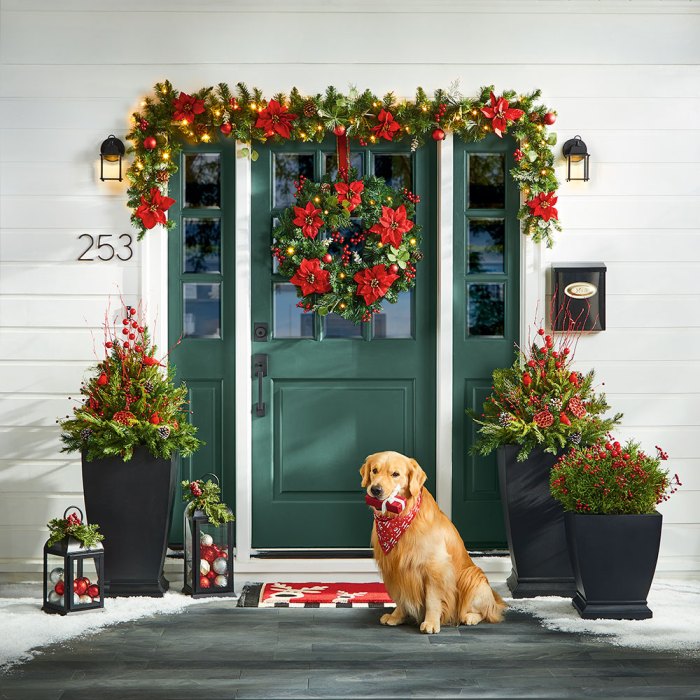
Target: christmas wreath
(348, 245)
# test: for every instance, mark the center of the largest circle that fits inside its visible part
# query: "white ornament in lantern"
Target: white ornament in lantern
(55, 598)
(206, 540)
(56, 575)
(85, 599)
(220, 566)
(204, 567)
(221, 581)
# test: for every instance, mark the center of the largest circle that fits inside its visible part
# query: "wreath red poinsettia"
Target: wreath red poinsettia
(152, 209)
(348, 246)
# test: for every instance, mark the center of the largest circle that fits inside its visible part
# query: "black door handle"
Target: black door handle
(260, 371)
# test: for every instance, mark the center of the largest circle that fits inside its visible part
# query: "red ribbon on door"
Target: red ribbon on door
(343, 149)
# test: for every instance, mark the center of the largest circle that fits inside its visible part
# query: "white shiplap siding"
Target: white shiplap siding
(623, 75)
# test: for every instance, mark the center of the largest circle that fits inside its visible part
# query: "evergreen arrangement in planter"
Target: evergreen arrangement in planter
(131, 427)
(610, 492)
(538, 406)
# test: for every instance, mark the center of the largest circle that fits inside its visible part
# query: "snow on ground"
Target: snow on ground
(675, 625)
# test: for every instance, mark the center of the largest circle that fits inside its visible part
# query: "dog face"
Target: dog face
(382, 472)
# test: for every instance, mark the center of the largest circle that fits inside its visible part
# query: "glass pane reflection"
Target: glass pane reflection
(202, 180)
(487, 181)
(202, 245)
(486, 309)
(331, 164)
(396, 169)
(289, 320)
(201, 310)
(486, 245)
(395, 320)
(287, 168)
(339, 327)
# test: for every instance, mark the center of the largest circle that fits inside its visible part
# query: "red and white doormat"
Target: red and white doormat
(314, 595)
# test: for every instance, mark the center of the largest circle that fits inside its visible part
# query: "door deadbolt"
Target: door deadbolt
(260, 331)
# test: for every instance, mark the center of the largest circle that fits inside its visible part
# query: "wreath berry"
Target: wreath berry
(348, 246)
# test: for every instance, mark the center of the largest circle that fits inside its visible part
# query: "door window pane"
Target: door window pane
(348, 240)
(485, 309)
(289, 320)
(339, 327)
(396, 169)
(487, 181)
(287, 168)
(395, 320)
(486, 245)
(275, 262)
(202, 180)
(202, 245)
(202, 310)
(331, 164)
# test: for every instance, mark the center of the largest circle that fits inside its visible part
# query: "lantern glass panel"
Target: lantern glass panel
(215, 566)
(86, 590)
(55, 579)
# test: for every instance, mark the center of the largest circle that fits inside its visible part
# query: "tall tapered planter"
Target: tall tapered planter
(614, 560)
(534, 526)
(132, 501)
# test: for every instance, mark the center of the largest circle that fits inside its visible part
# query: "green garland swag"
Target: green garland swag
(170, 117)
(206, 496)
(72, 526)
(348, 246)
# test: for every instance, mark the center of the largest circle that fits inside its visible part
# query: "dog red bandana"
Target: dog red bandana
(389, 530)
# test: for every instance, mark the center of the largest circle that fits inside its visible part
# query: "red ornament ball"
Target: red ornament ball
(204, 582)
(339, 130)
(132, 336)
(225, 128)
(138, 348)
(60, 588)
(393, 268)
(93, 591)
(327, 258)
(132, 311)
(126, 344)
(125, 331)
(550, 118)
(141, 329)
(209, 554)
(149, 143)
(439, 135)
(211, 575)
(108, 344)
(134, 324)
(125, 322)
(79, 586)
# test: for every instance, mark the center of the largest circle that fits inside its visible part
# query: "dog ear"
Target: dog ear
(364, 472)
(416, 477)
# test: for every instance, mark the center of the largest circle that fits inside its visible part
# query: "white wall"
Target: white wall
(624, 75)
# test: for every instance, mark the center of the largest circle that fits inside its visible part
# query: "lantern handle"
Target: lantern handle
(65, 512)
(218, 483)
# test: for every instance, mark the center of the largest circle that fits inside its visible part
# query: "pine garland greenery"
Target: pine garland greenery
(221, 112)
(60, 528)
(206, 496)
(540, 401)
(130, 401)
(611, 479)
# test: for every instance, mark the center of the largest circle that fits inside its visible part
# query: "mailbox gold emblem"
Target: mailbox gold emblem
(580, 290)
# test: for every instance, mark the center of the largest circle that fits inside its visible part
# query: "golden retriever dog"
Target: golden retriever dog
(427, 570)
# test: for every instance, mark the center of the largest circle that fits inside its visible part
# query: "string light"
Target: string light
(342, 304)
(317, 199)
(290, 250)
(342, 275)
(205, 138)
(139, 165)
(184, 122)
(413, 241)
(166, 155)
(253, 106)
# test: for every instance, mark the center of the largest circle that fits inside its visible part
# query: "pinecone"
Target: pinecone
(148, 386)
(162, 176)
(85, 433)
(326, 187)
(164, 432)
(555, 403)
(310, 108)
(504, 419)
(575, 438)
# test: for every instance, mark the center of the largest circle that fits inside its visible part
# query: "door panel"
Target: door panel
(486, 320)
(336, 392)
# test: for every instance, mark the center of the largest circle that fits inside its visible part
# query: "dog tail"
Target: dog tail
(476, 595)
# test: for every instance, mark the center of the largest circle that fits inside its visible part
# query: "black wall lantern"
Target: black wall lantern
(577, 156)
(111, 152)
(578, 296)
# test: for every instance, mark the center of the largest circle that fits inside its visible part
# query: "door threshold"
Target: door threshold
(312, 554)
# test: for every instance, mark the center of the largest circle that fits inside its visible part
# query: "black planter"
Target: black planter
(614, 559)
(132, 503)
(534, 526)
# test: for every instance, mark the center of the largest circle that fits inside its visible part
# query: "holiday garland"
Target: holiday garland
(206, 496)
(73, 526)
(348, 245)
(170, 117)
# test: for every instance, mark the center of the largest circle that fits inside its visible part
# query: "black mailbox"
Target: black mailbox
(578, 296)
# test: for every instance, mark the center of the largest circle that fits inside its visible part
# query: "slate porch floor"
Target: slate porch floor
(218, 651)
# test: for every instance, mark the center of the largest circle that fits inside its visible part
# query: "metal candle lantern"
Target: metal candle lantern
(111, 152)
(73, 574)
(577, 157)
(208, 555)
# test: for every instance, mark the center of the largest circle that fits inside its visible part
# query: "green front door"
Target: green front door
(486, 320)
(335, 392)
(201, 332)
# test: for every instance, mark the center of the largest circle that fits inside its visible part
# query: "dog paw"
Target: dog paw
(472, 619)
(390, 619)
(429, 627)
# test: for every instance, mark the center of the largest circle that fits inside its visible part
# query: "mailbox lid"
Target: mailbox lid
(580, 266)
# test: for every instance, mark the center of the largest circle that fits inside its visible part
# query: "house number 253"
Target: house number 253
(100, 247)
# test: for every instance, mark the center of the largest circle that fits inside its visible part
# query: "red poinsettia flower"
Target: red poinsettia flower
(374, 282)
(500, 114)
(542, 205)
(308, 220)
(311, 278)
(152, 210)
(275, 119)
(350, 193)
(393, 223)
(186, 107)
(387, 126)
